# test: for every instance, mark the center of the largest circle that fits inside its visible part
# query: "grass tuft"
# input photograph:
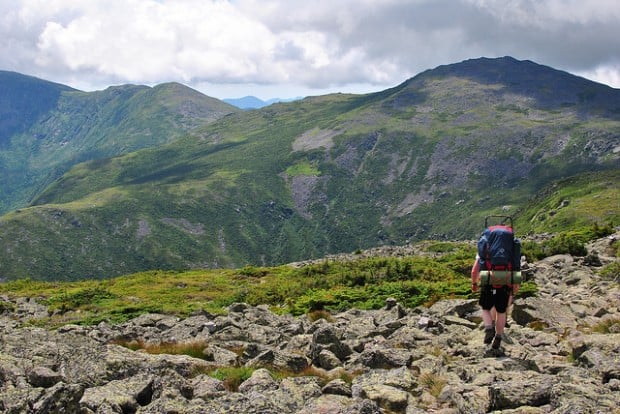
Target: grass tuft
(434, 383)
(232, 377)
(607, 326)
(194, 348)
(314, 316)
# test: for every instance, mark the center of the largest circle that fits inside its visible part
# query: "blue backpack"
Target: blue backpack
(498, 248)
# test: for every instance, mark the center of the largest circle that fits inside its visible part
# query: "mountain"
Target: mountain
(247, 102)
(252, 102)
(46, 128)
(23, 99)
(426, 159)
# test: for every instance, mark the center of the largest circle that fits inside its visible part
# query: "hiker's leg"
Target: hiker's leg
(486, 303)
(501, 300)
(487, 318)
(501, 304)
(489, 326)
(500, 323)
(509, 309)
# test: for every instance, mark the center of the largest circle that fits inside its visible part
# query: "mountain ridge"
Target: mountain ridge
(65, 126)
(426, 159)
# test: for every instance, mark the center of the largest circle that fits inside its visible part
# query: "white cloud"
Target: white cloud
(151, 41)
(549, 13)
(607, 74)
(307, 45)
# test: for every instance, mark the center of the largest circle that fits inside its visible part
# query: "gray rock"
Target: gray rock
(59, 398)
(328, 360)
(261, 380)
(337, 387)
(328, 337)
(127, 395)
(280, 360)
(544, 312)
(338, 404)
(515, 393)
(455, 320)
(220, 356)
(379, 357)
(207, 388)
(43, 377)
(293, 393)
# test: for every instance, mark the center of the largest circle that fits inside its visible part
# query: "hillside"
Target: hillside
(292, 181)
(46, 128)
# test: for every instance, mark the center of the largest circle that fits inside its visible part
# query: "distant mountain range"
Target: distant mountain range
(252, 102)
(131, 178)
(46, 128)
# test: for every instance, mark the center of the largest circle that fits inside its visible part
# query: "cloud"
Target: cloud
(151, 41)
(318, 45)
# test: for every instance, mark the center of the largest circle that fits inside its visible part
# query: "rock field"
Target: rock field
(555, 358)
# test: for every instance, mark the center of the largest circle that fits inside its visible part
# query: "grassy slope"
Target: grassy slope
(574, 202)
(417, 161)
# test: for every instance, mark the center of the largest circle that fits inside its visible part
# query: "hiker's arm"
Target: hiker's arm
(475, 275)
(515, 289)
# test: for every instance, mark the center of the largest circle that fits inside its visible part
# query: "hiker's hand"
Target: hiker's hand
(474, 287)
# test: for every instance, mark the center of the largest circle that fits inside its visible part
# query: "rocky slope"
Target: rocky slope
(393, 360)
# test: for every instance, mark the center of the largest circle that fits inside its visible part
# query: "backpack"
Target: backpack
(499, 253)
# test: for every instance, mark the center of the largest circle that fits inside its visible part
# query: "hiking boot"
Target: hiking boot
(489, 333)
(496, 342)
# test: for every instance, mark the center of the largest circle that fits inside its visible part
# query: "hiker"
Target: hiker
(494, 302)
(498, 258)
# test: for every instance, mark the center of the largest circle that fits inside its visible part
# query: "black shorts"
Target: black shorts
(494, 297)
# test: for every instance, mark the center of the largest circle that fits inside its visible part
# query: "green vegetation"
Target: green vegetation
(577, 202)
(568, 242)
(232, 377)
(315, 289)
(611, 271)
(302, 168)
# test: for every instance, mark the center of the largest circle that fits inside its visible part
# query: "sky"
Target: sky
(293, 48)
